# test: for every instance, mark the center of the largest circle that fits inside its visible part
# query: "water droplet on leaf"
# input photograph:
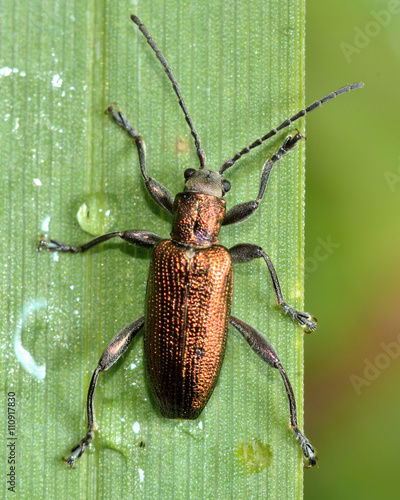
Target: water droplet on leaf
(97, 214)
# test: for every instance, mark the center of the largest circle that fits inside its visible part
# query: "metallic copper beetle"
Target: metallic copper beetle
(190, 283)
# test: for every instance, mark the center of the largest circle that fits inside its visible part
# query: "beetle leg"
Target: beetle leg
(245, 252)
(140, 238)
(265, 350)
(115, 349)
(157, 191)
(243, 211)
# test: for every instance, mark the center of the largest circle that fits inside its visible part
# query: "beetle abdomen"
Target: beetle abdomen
(188, 304)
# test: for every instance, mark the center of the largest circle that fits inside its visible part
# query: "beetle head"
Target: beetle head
(206, 181)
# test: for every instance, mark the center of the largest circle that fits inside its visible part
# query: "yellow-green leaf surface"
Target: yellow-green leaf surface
(240, 68)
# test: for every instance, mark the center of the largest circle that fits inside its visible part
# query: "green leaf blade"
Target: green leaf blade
(240, 70)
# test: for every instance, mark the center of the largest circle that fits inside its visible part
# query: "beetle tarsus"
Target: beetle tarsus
(78, 450)
(305, 320)
(120, 119)
(56, 246)
(308, 450)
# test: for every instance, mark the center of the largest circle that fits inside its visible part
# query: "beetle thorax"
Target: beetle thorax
(197, 219)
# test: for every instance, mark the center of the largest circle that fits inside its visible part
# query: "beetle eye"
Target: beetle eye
(226, 185)
(189, 172)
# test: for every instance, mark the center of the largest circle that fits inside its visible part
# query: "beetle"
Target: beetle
(190, 281)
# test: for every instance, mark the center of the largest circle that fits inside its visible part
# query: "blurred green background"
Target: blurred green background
(353, 198)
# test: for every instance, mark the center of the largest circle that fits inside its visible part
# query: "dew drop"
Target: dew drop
(97, 214)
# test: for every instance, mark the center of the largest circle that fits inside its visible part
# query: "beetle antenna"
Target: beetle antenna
(161, 58)
(286, 123)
